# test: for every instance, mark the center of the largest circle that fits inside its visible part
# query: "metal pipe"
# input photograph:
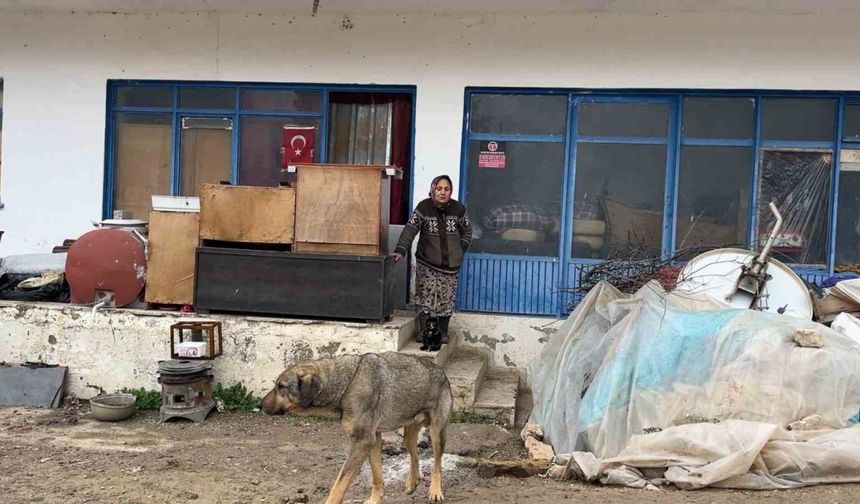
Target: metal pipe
(770, 239)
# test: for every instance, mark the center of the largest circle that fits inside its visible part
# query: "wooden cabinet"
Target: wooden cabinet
(170, 265)
(342, 209)
(247, 214)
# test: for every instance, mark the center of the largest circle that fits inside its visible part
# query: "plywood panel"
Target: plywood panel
(205, 158)
(339, 204)
(170, 265)
(142, 165)
(247, 214)
(336, 248)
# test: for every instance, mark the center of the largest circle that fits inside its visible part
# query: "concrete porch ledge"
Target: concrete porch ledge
(116, 348)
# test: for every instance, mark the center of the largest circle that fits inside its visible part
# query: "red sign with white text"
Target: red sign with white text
(492, 155)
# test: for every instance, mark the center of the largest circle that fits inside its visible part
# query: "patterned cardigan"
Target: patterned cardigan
(445, 235)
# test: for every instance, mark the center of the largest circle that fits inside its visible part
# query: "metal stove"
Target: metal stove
(186, 389)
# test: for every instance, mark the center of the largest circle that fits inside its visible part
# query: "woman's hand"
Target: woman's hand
(397, 256)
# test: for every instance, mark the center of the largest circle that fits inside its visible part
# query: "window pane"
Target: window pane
(799, 183)
(144, 96)
(207, 98)
(618, 204)
(515, 205)
(848, 216)
(798, 119)
(719, 118)
(360, 133)
(143, 161)
(281, 100)
(713, 196)
(519, 114)
(206, 151)
(624, 119)
(852, 123)
(260, 142)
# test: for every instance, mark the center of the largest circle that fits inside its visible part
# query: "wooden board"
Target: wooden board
(247, 214)
(336, 248)
(142, 166)
(339, 204)
(170, 266)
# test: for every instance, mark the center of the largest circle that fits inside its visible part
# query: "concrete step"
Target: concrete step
(440, 357)
(465, 370)
(408, 323)
(497, 395)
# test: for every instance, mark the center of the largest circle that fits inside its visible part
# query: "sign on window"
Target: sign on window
(492, 155)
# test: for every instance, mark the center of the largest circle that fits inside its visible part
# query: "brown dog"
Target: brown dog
(371, 393)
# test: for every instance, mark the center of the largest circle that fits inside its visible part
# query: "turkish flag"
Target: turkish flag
(298, 145)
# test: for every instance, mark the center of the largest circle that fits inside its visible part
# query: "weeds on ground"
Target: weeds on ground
(471, 418)
(144, 399)
(236, 397)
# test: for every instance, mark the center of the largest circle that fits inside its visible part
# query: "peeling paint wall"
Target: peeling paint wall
(55, 67)
(512, 341)
(121, 348)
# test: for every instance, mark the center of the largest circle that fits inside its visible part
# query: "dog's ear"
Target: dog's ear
(309, 387)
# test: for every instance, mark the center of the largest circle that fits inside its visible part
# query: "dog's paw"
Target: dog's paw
(411, 486)
(425, 348)
(435, 498)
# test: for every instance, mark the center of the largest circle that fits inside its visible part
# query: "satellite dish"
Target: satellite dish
(716, 274)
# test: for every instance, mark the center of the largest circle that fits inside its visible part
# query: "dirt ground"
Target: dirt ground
(65, 456)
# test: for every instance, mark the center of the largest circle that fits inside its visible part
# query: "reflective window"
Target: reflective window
(799, 119)
(281, 100)
(518, 114)
(514, 196)
(207, 98)
(719, 118)
(713, 196)
(624, 119)
(618, 207)
(260, 149)
(144, 96)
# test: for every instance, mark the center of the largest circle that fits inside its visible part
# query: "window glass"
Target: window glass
(713, 197)
(800, 119)
(719, 118)
(852, 123)
(360, 133)
(514, 196)
(260, 143)
(207, 98)
(142, 162)
(518, 114)
(623, 119)
(144, 96)
(618, 205)
(798, 182)
(281, 100)
(848, 211)
(206, 151)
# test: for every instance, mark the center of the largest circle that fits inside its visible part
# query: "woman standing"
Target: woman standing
(445, 235)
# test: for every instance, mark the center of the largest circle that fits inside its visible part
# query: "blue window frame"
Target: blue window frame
(634, 142)
(167, 110)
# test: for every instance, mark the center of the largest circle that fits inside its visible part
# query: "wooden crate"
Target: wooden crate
(247, 214)
(342, 209)
(172, 248)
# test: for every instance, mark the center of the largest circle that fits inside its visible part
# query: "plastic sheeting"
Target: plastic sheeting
(799, 183)
(679, 383)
